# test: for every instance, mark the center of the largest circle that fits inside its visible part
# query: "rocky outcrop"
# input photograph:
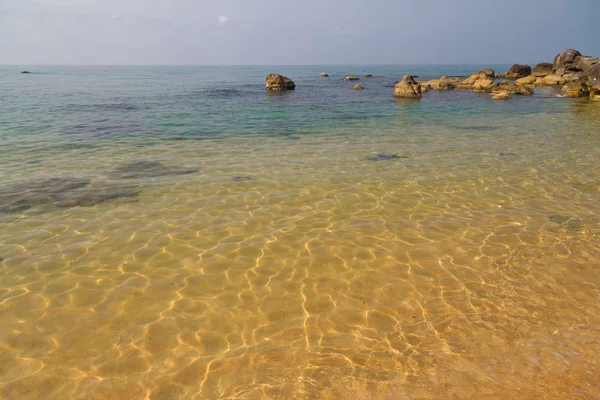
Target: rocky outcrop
(552, 80)
(358, 87)
(483, 85)
(469, 83)
(324, 74)
(566, 61)
(527, 81)
(276, 82)
(511, 88)
(502, 96)
(518, 71)
(591, 76)
(444, 83)
(408, 88)
(352, 78)
(542, 69)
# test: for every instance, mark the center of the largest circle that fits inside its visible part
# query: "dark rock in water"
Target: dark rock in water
(385, 157)
(1, 259)
(507, 154)
(148, 169)
(9, 209)
(276, 82)
(559, 219)
(241, 178)
(542, 69)
(94, 196)
(22, 196)
(25, 72)
(518, 71)
(573, 225)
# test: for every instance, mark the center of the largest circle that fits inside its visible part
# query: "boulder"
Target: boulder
(368, 76)
(542, 69)
(483, 85)
(351, 78)
(591, 76)
(469, 83)
(586, 63)
(511, 88)
(276, 82)
(502, 96)
(324, 74)
(595, 94)
(567, 60)
(444, 83)
(528, 80)
(358, 87)
(408, 88)
(575, 89)
(553, 80)
(518, 71)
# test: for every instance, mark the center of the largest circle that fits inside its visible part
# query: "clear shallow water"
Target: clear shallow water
(323, 243)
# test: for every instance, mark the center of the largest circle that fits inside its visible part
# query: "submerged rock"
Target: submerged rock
(148, 169)
(408, 88)
(352, 78)
(511, 88)
(276, 82)
(368, 76)
(358, 87)
(25, 72)
(385, 157)
(241, 178)
(502, 96)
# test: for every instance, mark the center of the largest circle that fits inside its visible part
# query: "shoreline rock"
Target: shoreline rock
(518, 71)
(324, 74)
(502, 96)
(276, 82)
(352, 78)
(408, 88)
(358, 87)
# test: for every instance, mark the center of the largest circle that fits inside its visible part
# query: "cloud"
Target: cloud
(223, 19)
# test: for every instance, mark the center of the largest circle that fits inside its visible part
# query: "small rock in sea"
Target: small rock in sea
(542, 69)
(276, 82)
(502, 96)
(351, 78)
(368, 75)
(385, 157)
(408, 88)
(358, 87)
(518, 71)
(25, 72)
(241, 178)
(324, 74)
(559, 219)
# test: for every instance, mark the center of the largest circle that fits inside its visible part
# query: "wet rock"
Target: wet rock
(408, 88)
(574, 90)
(595, 94)
(241, 178)
(542, 69)
(502, 96)
(511, 88)
(518, 71)
(385, 157)
(324, 74)
(276, 82)
(553, 80)
(368, 75)
(444, 83)
(528, 80)
(148, 169)
(483, 85)
(358, 87)
(25, 72)
(484, 74)
(352, 78)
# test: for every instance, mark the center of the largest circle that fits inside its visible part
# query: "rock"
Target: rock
(567, 60)
(324, 74)
(148, 169)
(469, 83)
(408, 88)
(511, 88)
(25, 72)
(444, 83)
(575, 89)
(591, 76)
(368, 76)
(595, 94)
(518, 71)
(528, 80)
(275, 82)
(586, 63)
(502, 96)
(351, 78)
(553, 80)
(358, 87)
(482, 85)
(542, 69)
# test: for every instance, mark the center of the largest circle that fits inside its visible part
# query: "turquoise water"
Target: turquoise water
(178, 232)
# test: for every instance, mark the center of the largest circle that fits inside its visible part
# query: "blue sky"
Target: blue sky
(277, 32)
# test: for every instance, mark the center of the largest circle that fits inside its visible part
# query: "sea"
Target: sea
(180, 233)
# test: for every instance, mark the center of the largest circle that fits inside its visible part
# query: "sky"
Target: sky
(294, 32)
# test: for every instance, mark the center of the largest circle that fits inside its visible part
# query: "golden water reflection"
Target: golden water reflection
(449, 272)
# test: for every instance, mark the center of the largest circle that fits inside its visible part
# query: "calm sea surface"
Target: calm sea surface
(177, 232)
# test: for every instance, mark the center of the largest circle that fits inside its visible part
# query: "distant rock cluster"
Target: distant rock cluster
(577, 75)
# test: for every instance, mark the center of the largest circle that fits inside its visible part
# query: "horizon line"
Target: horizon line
(248, 65)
